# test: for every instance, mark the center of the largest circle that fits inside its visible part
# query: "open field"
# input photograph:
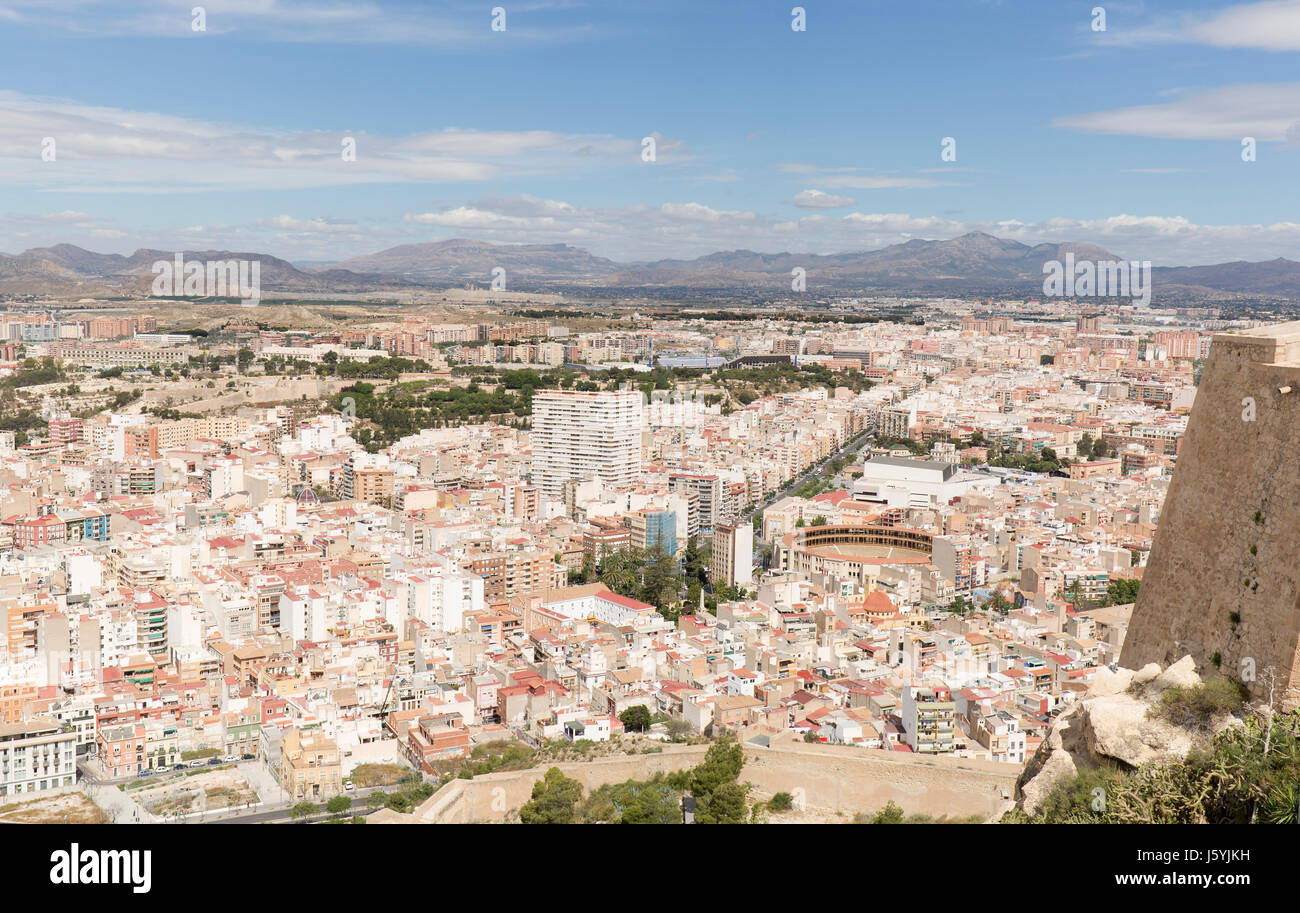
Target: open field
(64, 808)
(204, 790)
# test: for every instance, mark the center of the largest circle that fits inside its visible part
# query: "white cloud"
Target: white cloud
(1273, 25)
(817, 199)
(853, 178)
(100, 149)
(468, 217)
(1267, 111)
(379, 22)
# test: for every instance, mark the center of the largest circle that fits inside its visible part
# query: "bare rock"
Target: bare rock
(1118, 729)
(1109, 725)
(1148, 673)
(1054, 767)
(1181, 674)
(1107, 682)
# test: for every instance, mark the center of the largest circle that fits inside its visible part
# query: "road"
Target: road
(282, 813)
(852, 448)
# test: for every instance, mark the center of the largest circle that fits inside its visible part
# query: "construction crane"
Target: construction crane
(402, 680)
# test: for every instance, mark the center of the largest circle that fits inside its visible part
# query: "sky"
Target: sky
(124, 125)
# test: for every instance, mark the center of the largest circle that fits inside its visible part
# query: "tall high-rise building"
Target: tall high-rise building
(709, 488)
(578, 436)
(733, 554)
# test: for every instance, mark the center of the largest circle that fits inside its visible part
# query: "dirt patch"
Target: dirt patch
(211, 790)
(64, 808)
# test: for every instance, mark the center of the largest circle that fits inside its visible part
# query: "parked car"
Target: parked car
(231, 759)
(198, 762)
(145, 773)
(348, 784)
(248, 757)
(213, 762)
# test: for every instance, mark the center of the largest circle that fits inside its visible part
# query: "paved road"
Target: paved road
(281, 813)
(853, 447)
(118, 805)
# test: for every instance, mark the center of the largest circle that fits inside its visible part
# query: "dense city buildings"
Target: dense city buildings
(897, 538)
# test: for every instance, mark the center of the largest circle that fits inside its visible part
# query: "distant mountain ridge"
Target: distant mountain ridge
(65, 269)
(974, 263)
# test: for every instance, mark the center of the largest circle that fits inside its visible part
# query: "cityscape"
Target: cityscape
(368, 463)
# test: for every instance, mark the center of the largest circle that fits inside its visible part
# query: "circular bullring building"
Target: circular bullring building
(852, 551)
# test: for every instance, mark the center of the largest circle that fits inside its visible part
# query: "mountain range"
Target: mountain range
(972, 264)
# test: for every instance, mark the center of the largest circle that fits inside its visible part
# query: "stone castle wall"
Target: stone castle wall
(1223, 579)
(821, 777)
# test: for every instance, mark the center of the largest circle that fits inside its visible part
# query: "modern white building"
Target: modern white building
(733, 555)
(35, 756)
(578, 435)
(437, 596)
(903, 482)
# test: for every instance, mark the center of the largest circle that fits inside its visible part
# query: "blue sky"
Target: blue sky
(766, 138)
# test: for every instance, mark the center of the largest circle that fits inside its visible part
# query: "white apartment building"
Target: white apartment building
(733, 555)
(436, 596)
(223, 476)
(578, 436)
(35, 756)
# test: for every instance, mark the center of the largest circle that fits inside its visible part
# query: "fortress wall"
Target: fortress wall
(1204, 592)
(827, 778)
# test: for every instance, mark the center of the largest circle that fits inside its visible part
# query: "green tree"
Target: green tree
(1123, 591)
(661, 583)
(890, 814)
(554, 800)
(693, 562)
(636, 718)
(722, 764)
(1075, 591)
(338, 805)
(303, 810)
(725, 805)
(620, 571)
(652, 801)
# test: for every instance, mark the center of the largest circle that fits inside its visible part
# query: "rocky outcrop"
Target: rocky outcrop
(1111, 726)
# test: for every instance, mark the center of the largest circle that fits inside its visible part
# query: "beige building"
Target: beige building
(309, 765)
